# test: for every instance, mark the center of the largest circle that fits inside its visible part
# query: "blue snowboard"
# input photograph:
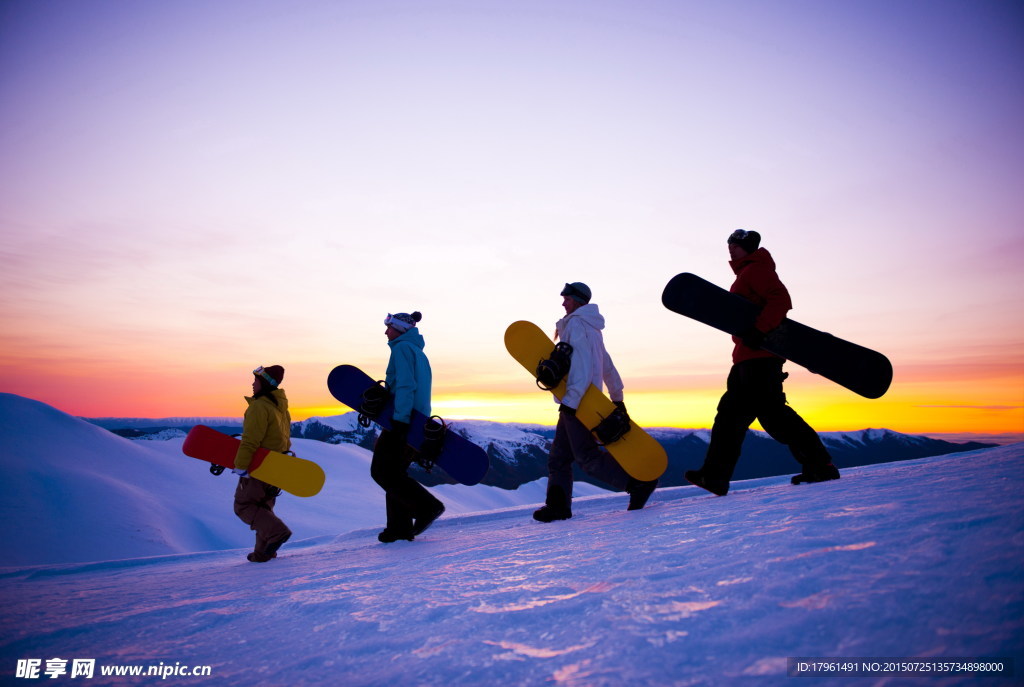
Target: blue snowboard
(463, 460)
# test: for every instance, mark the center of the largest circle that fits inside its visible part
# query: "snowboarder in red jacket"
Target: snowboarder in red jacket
(754, 388)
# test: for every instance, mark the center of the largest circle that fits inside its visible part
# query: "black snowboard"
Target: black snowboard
(859, 369)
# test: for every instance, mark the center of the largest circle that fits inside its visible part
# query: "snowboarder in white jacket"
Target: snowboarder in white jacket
(590, 364)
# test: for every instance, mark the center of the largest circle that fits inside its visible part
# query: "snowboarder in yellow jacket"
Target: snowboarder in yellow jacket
(267, 424)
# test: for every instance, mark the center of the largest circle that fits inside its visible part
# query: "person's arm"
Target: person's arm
(254, 430)
(612, 380)
(581, 369)
(776, 298)
(405, 383)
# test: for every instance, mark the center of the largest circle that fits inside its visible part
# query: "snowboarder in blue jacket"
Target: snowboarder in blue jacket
(411, 509)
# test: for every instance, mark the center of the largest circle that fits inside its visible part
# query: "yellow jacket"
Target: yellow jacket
(265, 426)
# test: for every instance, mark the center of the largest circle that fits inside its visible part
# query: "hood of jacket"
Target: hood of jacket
(760, 257)
(282, 400)
(588, 314)
(265, 426)
(411, 337)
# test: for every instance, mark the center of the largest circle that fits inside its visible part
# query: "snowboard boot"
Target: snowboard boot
(272, 547)
(556, 506)
(818, 473)
(269, 552)
(389, 535)
(717, 487)
(421, 524)
(639, 492)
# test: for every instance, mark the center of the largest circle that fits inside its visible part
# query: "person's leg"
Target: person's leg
(254, 505)
(594, 460)
(786, 426)
(558, 501)
(734, 416)
(405, 497)
(387, 467)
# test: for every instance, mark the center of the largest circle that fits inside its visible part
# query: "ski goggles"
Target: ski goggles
(260, 372)
(398, 323)
(578, 291)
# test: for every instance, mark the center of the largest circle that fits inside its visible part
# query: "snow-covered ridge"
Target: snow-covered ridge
(187, 422)
(508, 441)
(504, 435)
(518, 451)
(164, 435)
(349, 422)
(865, 436)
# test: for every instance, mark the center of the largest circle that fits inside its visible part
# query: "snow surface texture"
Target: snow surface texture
(77, 493)
(911, 559)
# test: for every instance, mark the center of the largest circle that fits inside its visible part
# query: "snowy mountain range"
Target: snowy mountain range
(518, 452)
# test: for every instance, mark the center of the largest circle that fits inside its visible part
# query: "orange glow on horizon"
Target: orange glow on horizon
(968, 401)
(826, 407)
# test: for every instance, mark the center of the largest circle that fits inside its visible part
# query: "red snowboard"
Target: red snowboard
(295, 475)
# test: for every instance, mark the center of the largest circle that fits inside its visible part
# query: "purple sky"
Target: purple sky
(189, 189)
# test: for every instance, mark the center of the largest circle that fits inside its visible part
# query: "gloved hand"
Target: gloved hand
(400, 431)
(621, 405)
(752, 338)
(562, 408)
(240, 473)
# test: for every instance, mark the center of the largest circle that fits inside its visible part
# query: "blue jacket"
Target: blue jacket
(408, 375)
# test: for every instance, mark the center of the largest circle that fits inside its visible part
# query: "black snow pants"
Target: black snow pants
(405, 497)
(754, 391)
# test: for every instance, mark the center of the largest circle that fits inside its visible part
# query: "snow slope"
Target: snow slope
(914, 559)
(76, 493)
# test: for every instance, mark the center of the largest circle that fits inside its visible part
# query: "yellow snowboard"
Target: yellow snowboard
(637, 452)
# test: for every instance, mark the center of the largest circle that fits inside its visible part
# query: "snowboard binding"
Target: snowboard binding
(552, 370)
(612, 428)
(374, 399)
(434, 432)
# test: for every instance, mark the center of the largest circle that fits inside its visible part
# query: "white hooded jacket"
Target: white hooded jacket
(591, 363)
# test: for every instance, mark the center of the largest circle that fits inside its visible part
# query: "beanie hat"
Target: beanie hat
(747, 240)
(273, 375)
(578, 291)
(403, 322)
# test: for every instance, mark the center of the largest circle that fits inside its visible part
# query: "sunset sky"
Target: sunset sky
(191, 189)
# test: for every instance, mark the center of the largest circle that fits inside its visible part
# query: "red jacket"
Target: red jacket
(757, 281)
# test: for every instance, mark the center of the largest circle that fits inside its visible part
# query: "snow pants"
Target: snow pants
(254, 505)
(405, 497)
(754, 391)
(574, 443)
